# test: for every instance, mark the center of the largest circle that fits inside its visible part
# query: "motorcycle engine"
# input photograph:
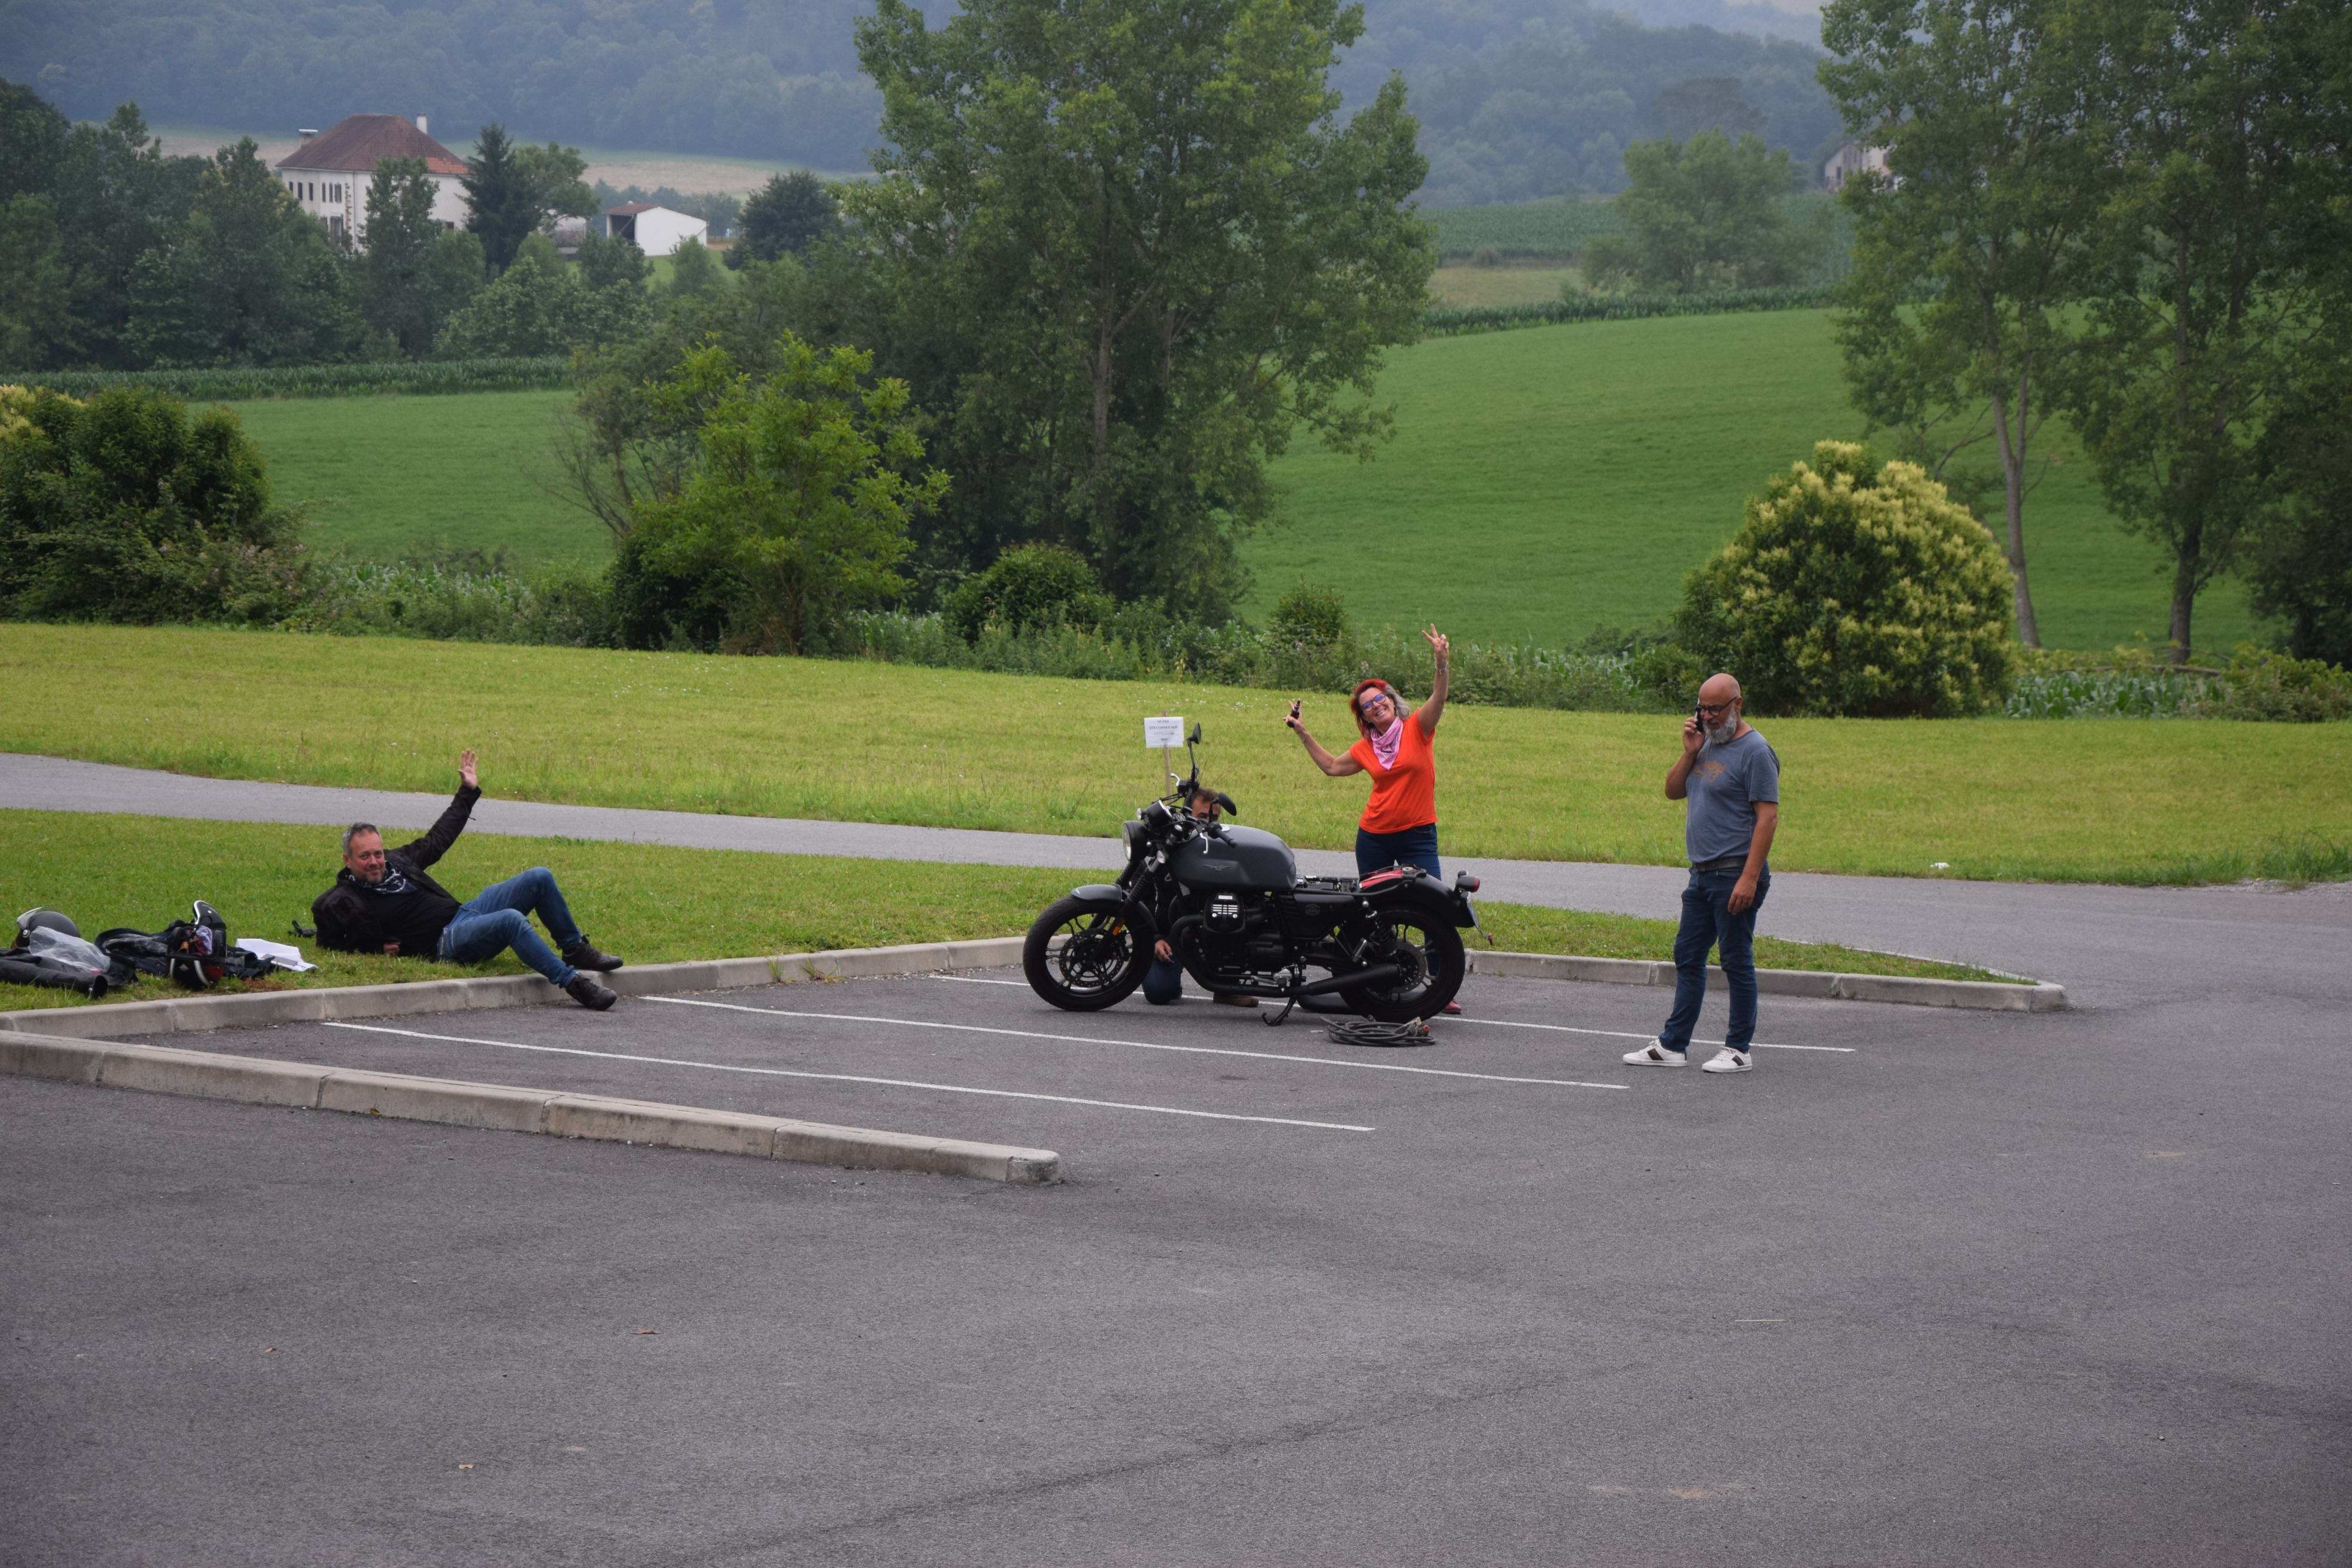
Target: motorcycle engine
(1235, 938)
(1224, 915)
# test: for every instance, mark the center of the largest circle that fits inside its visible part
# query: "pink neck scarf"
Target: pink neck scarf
(1386, 744)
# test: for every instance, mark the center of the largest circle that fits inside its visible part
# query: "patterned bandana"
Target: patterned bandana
(1385, 744)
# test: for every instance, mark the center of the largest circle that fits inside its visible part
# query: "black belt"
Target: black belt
(1723, 862)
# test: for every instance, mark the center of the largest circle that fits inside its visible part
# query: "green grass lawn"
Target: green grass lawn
(1552, 479)
(1479, 286)
(2130, 801)
(381, 477)
(1543, 481)
(648, 903)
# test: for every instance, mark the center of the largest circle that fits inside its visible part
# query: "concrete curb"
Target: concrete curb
(259, 1010)
(257, 1080)
(2039, 997)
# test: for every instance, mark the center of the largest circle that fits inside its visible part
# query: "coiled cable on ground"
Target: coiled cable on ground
(1364, 1032)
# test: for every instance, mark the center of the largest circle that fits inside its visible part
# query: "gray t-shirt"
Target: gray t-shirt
(1725, 784)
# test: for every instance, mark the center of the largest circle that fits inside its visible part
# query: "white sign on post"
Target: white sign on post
(1163, 733)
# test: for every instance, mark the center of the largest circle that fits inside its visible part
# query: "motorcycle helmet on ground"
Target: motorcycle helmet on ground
(34, 920)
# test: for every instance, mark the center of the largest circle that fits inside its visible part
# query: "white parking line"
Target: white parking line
(853, 1078)
(979, 980)
(1130, 1044)
(1622, 1034)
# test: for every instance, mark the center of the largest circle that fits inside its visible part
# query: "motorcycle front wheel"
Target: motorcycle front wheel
(1424, 944)
(1099, 965)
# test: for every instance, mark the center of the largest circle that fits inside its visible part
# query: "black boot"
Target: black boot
(585, 990)
(580, 956)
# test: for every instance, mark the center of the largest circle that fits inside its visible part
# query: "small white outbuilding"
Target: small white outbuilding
(657, 231)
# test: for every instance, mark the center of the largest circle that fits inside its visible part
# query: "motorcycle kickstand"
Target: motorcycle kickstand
(1277, 1021)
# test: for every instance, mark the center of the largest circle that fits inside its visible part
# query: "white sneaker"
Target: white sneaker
(1655, 1054)
(1729, 1061)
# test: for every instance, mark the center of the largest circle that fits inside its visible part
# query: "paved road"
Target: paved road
(2108, 945)
(2064, 1288)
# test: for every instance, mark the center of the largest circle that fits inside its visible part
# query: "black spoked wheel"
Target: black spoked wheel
(1423, 944)
(1099, 962)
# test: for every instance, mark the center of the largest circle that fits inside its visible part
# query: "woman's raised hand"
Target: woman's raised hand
(1291, 720)
(1438, 642)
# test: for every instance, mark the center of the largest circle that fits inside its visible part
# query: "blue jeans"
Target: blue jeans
(499, 917)
(1708, 922)
(1414, 846)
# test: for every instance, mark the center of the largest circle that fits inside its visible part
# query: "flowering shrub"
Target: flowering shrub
(1854, 592)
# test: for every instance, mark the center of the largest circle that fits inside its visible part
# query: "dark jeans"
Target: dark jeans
(1708, 922)
(499, 917)
(1414, 846)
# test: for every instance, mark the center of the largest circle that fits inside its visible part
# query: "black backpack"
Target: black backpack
(193, 953)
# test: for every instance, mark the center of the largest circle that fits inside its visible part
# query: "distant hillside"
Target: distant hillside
(1518, 98)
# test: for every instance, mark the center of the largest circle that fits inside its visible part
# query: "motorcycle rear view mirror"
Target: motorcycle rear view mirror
(1196, 735)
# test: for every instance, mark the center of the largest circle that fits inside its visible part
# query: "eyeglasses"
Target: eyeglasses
(1717, 707)
(1372, 699)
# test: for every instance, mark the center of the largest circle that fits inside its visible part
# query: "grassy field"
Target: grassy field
(2127, 801)
(384, 476)
(1476, 286)
(1543, 481)
(1559, 226)
(648, 903)
(1547, 480)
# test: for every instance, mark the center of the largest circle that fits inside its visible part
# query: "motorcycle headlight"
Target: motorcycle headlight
(1130, 834)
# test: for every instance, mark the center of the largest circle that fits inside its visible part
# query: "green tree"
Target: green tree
(783, 217)
(1850, 592)
(32, 143)
(1026, 588)
(512, 190)
(693, 272)
(1995, 191)
(247, 279)
(1708, 213)
(126, 200)
(802, 492)
(2203, 300)
(412, 274)
(608, 263)
(124, 508)
(35, 286)
(540, 306)
(1138, 250)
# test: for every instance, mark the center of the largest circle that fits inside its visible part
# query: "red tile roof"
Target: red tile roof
(360, 142)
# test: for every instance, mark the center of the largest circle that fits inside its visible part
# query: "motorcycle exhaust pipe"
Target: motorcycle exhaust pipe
(1372, 976)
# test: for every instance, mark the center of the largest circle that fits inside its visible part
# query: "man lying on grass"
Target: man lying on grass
(383, 902)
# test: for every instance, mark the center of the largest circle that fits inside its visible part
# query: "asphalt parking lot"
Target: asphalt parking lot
(1926, 1286)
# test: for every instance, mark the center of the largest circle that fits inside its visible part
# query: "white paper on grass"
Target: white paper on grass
(279, 953)
(1163, 732)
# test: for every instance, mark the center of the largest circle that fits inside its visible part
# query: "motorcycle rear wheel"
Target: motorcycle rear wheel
(1426, 941)
(1099, 966)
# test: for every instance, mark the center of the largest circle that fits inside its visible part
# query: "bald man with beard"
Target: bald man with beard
(1731, 778)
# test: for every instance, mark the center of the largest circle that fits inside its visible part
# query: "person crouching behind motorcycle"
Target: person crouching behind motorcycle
(1164, 981)
(1399, 826)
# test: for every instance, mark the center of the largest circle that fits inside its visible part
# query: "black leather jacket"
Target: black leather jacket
(346, 916)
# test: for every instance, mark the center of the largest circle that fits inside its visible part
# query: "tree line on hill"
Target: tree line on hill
(1517, 98)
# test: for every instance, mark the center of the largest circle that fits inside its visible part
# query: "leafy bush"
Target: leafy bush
(2128, 682)
(2261, 683)
(124, 508)
(1850, 592)
(460, 597)
(1309, 617)
(545, 372)
(537, 308)
(1028, 588)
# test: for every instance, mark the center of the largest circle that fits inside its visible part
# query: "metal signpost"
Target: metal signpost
(1166, 734)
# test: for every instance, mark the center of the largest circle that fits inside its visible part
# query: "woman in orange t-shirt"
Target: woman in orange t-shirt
(1399, 826)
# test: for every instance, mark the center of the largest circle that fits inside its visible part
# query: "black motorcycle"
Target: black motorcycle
(1241, 919)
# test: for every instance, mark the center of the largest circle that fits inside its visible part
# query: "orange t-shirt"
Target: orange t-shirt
(1404, 796)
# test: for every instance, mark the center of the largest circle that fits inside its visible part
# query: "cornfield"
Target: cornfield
(224, 383)
(1453, 320)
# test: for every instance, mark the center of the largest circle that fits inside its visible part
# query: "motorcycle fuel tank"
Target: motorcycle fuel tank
(1235, 857)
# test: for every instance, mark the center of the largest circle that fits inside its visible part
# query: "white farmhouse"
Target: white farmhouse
(329, 173)
(1853, 158)
(657, 231)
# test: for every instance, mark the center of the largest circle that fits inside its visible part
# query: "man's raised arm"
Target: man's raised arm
(444, 833)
